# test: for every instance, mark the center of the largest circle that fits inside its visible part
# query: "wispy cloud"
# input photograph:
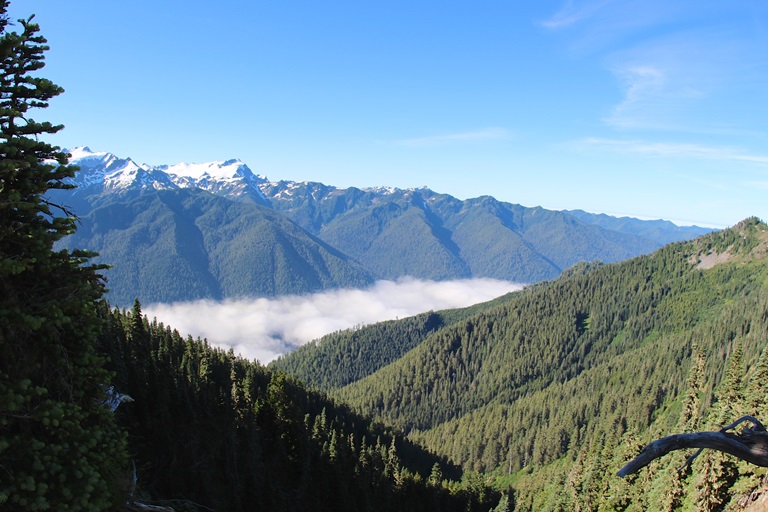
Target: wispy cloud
(641, 83)
(671, 149)
(266, 328)
(676, 82)
(475, 136)
(595, 25)
(676, 70)
(574, 12)
(763, 185)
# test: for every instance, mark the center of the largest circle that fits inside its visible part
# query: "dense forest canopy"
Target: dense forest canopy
(343, 357)
(225, 433)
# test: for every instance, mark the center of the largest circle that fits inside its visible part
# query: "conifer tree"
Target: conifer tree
(731, 395)
(689, 417)
(59, 446)
(668, 487)
(718, 471)
(757, 391)
(503, 505)
(436, 475)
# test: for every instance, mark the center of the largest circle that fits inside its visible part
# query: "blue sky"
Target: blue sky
(648, 108)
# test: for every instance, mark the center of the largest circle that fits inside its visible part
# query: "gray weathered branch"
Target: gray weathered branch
(750, 445)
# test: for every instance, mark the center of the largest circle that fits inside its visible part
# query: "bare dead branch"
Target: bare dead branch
(141, 507)
(690, 460)
(157, 506)
(750, 445)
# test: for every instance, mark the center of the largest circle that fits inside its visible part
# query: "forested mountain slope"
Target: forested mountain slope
(561, 374)
(426, 234)
(340, 358)
(208, 430)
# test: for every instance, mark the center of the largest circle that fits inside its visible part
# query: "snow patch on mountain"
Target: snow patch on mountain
(382, 191)
(229, 170)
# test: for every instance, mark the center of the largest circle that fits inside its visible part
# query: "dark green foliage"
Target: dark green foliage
(216, 430)
(757, 388)
(189, 244)
(347, 356)
(60, 448)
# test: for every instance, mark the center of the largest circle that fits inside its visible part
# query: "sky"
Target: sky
(646, 108)
(263, 329)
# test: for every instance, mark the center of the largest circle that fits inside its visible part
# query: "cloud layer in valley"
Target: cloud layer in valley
(264, 328)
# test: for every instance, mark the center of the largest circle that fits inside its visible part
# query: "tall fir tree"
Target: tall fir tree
(757, 391)
(689, 417)
(60, 448)
(718, 471)
(730, 403)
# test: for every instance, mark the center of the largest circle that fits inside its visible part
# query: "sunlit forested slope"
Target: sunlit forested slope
(340, 358)
(553, 390)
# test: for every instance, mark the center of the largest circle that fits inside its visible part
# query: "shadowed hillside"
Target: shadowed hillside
(189, 244)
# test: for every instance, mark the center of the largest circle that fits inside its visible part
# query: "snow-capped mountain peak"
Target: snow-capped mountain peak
(100, 168)
(80, 152)
(230, 178)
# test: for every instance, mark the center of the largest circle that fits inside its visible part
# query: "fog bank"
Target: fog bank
(263, 328)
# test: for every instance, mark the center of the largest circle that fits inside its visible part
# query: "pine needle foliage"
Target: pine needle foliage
(60, 449)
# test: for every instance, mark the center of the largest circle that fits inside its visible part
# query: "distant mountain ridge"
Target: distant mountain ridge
(660, 230)
(479, 237)
(373, 233)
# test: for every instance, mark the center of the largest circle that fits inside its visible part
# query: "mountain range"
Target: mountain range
(218, 230)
